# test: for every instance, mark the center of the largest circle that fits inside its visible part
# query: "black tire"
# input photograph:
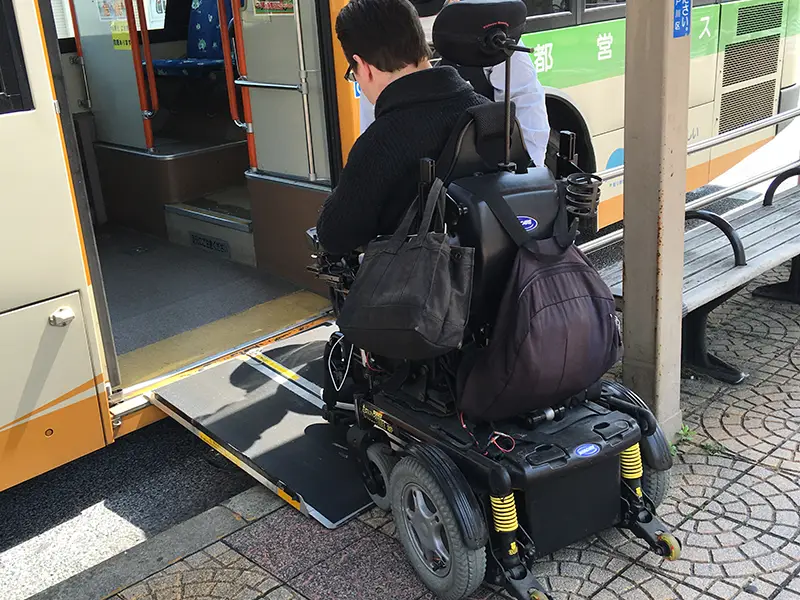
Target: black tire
(466, 568)
(382, 462)
(655, 484)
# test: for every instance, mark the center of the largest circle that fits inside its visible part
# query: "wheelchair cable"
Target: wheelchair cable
(497, 435)
(472, 435)
(347, 369)
(493, 439)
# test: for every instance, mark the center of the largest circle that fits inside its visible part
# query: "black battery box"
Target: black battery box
(566, 475)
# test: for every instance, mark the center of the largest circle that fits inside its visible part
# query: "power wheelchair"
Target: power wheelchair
(481, 501)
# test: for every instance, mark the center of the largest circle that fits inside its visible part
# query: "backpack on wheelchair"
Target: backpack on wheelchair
(475, 499)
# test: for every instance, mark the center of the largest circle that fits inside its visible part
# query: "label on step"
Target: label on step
(214, 245)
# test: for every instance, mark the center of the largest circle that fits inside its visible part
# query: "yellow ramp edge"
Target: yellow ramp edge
(188, 347)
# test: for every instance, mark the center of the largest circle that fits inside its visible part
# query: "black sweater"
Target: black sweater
(414, 117)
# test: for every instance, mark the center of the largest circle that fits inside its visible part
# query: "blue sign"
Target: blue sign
(528, 223)
(682, 18)
(356, 89)
(587, 450)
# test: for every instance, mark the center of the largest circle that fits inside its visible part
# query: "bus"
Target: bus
(744, 68)
(162, 159)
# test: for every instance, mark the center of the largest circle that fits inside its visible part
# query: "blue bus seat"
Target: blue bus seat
(203, 44)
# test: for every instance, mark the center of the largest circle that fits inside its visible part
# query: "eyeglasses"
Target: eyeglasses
(350, 74)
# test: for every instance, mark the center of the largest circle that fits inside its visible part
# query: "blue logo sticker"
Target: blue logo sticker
(528, 223)
(587, 450)
(356, 89)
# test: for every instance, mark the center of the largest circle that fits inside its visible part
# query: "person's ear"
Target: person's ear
(363, 68)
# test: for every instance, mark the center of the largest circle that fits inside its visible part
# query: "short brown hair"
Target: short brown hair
(385, 33)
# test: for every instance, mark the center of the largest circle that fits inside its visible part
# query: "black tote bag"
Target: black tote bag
(411, 296)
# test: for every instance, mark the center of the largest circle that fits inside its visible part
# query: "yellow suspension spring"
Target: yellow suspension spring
(631, 466)
(504, 513)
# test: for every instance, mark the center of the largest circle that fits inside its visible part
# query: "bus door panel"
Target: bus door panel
(51, 372)
(53, 414)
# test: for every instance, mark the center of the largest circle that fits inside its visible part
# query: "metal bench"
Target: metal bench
(762, 235)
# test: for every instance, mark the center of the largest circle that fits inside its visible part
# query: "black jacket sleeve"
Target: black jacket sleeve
(351, 215)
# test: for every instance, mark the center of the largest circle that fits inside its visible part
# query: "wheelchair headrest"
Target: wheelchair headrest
(462, 28)
(477, 144)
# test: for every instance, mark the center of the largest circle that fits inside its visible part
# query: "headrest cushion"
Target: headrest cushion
(461, 30)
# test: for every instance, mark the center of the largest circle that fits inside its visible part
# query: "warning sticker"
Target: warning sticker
(274, 7)
(120, 36)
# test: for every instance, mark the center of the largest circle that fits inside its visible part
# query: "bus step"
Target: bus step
(226, 235)
(215, 217)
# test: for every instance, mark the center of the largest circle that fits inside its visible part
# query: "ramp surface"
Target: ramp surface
(264, 412)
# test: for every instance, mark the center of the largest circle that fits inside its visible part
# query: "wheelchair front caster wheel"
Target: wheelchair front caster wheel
(381, 462)
(669, 547)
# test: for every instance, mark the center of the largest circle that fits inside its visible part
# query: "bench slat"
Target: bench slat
(778, 245)
(745, 223)
(748, 223)
(770, 236)
(772, 220)
(743, 218)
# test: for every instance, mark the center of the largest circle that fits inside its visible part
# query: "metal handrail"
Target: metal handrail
(719, 139)
(615, 236)
(294, 87)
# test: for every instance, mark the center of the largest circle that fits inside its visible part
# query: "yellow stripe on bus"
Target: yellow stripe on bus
(85, 386)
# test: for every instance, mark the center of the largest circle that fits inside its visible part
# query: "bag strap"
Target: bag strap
(507, 218)
(431, 205)
(563, 233)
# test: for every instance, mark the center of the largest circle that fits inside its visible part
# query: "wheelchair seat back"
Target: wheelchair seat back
(532, 196)
(469, 165)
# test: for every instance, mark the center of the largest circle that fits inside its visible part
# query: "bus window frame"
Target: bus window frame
(581, 15)
(12, 62)
(600, 13)
(554, 21)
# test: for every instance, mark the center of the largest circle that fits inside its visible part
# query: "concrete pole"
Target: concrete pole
(656, 124)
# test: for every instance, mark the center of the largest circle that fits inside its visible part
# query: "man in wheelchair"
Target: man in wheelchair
(480, 492)
(416, 109)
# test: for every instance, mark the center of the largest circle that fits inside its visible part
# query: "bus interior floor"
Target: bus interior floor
(171, 305)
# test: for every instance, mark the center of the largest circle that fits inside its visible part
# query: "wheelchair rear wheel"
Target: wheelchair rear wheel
(429, 532)
(655, 484)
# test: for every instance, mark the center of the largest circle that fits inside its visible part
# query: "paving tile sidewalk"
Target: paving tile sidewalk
(734, 502)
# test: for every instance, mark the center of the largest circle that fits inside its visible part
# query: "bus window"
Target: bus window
(601, 3)
(547, 7)
(15, 92)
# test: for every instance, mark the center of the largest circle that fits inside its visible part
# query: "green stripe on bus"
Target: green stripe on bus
(584, 53)
(793, 17)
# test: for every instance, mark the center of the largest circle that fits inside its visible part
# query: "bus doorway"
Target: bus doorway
(195, 183)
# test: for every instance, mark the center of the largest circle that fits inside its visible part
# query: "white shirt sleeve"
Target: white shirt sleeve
(366, 113)
(528, 96)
